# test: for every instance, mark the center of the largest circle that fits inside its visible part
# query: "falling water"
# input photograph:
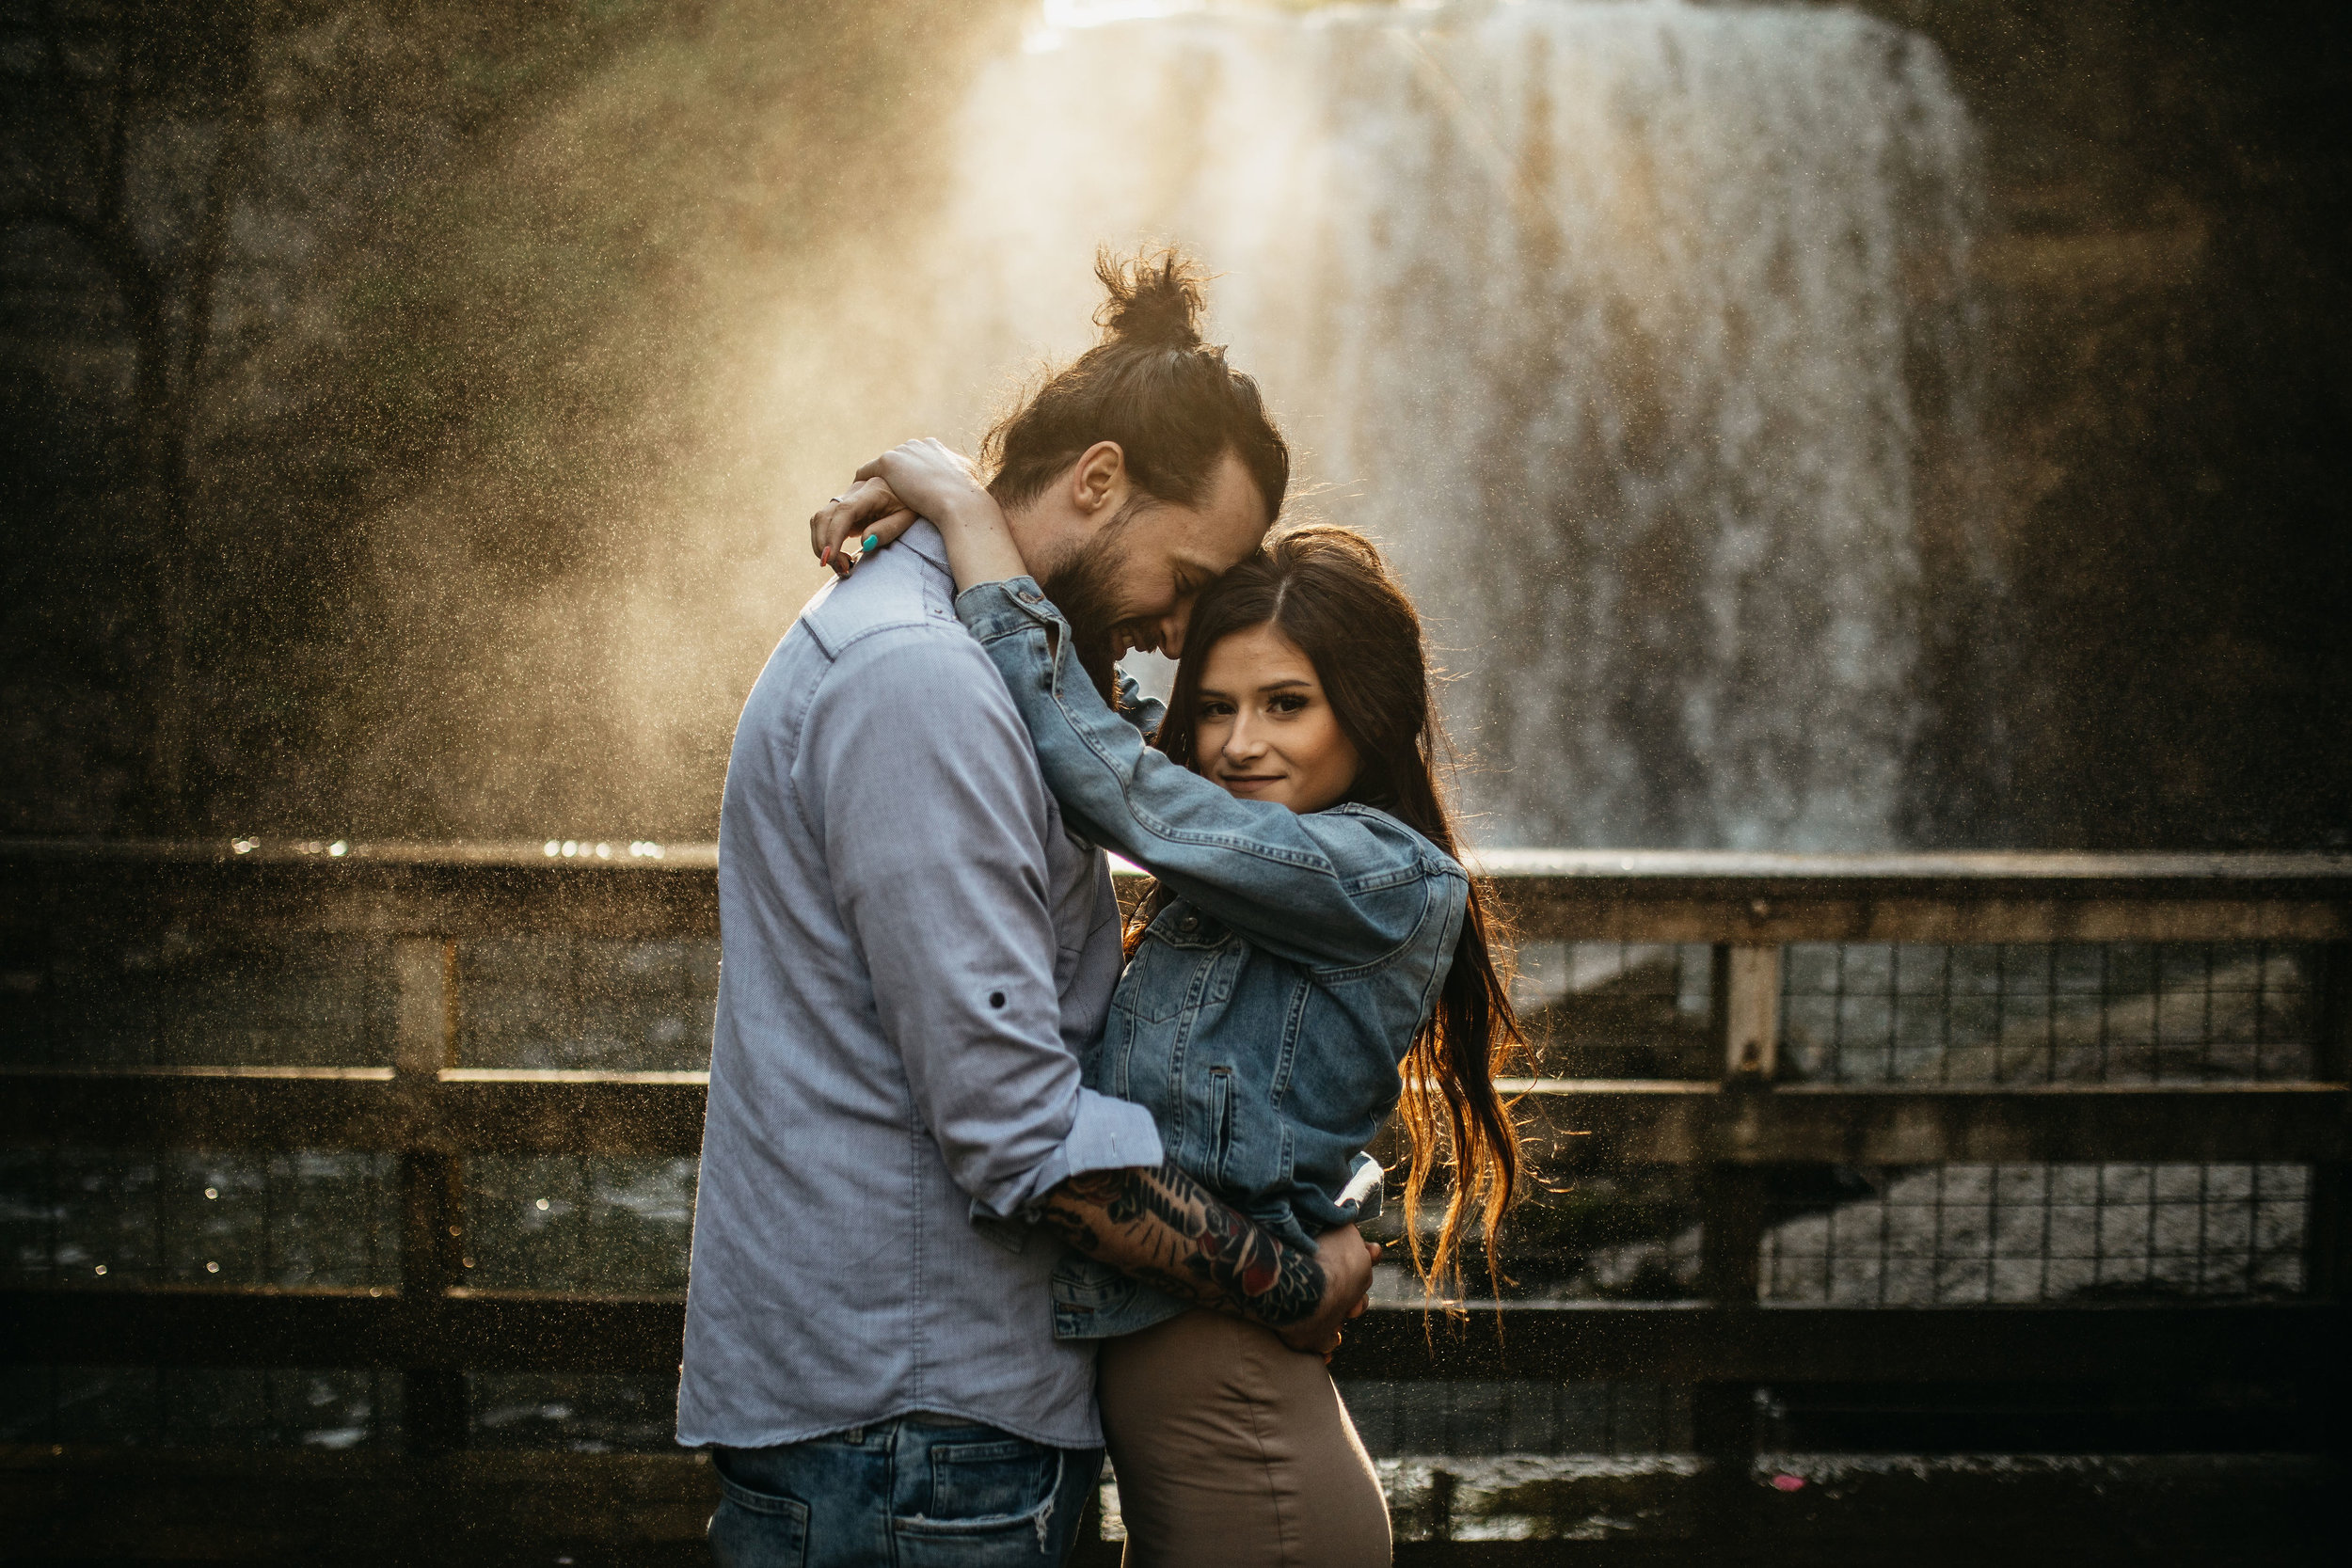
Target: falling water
(1637, 331)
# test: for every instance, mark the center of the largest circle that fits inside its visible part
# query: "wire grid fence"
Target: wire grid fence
(201, 1407)
(587, 1003)
(572, 1412)
(183, 998)
(1940, 1235)
(1851, 1012)
(1471, 1418)
(1616, 1009)
(579, 1222)
(2048, 1012)
(148, 1217)
(245, 999)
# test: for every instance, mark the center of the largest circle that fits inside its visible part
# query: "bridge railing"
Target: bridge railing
(1729, 1128)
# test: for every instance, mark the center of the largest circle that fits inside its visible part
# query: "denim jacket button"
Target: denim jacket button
(1188, 924)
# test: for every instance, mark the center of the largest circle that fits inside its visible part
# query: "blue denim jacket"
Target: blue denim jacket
(1263, 1016)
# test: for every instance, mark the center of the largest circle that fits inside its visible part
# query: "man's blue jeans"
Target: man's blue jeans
(917, 1491)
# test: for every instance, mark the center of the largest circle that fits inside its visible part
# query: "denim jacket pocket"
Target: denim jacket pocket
(1174, 968)
(1220, 1128)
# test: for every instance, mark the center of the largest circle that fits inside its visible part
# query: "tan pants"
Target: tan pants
(1233, 1450)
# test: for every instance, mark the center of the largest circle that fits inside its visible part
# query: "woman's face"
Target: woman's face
(1265, 729)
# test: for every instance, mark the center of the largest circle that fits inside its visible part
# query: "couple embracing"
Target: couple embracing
(992, 1177)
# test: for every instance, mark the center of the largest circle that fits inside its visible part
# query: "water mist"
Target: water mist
(1639, 333)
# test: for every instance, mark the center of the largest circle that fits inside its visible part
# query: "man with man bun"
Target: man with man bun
(916, 954)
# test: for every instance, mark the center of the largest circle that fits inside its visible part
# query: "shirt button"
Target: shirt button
(1188, 924)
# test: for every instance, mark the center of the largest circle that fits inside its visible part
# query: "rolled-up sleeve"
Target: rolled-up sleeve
(920, 780)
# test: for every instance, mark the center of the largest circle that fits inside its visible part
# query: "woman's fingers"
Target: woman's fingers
(881, 532)
(849, 516)
(889, 493)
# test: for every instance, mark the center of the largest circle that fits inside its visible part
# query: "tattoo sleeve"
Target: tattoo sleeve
(1170, 1231)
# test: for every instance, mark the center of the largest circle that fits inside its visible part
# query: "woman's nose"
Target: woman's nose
(1242, 740)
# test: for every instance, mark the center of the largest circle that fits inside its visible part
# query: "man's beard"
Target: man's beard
(1084, 589)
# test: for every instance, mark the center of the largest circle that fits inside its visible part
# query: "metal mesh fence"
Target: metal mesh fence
(582, 1003)
(1616, 1009)
(200, 1407)
(574, 1222)
(1468, 1416)
(111, 1217)
(180, 998)
(2048, 1012)
(1940, 1235)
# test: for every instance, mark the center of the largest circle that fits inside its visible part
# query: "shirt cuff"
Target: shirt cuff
(990, 610)
(1109, 1134)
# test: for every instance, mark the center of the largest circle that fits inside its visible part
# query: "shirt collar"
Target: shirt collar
(924, 540)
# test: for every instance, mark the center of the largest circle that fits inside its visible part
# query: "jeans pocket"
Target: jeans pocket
(991, 1482)
(990, 1502)
(756, 1529)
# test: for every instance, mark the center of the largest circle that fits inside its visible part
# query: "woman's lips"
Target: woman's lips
(1248, 781)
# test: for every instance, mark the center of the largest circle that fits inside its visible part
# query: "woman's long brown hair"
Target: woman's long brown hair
(1327, 591)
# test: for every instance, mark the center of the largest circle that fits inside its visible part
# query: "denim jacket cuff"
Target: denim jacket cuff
(990, 610)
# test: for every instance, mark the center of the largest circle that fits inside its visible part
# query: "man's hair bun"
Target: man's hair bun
(1156, 297)
(1169, 400)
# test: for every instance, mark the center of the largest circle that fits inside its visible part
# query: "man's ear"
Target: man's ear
(1098, 482)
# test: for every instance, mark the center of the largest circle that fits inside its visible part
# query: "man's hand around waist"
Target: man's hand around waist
(1346, 1260)
(1167, 1230)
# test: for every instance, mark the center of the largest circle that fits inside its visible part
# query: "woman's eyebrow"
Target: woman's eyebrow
(1286, 680)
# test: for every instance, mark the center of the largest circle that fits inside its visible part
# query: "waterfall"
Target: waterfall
(1637, 332)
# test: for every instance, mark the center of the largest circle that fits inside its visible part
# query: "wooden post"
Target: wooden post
(2328, 1219)
(431, 1182)
(1747, 1011)
(1731, 1235)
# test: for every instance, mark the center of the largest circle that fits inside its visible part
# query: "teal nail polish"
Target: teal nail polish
(873, 541)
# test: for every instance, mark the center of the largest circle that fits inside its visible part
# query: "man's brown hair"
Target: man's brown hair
(1170, 400)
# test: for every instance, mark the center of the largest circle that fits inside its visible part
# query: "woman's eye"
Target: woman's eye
(1216, 710)
(1289, 702)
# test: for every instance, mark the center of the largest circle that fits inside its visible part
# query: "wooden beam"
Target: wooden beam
(1676, 1343)
(1752, 915)
(513, 1331)
(1646, 896)
(488, 1111)
(1670, 1123)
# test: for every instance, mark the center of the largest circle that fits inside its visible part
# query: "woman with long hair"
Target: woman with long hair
(1311, 957)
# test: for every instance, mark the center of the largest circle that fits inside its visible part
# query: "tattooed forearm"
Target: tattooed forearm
(1168, 1230)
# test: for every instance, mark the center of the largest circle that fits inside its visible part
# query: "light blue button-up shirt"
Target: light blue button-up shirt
(914, 952)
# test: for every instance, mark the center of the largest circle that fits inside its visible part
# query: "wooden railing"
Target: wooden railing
(433, 1113)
